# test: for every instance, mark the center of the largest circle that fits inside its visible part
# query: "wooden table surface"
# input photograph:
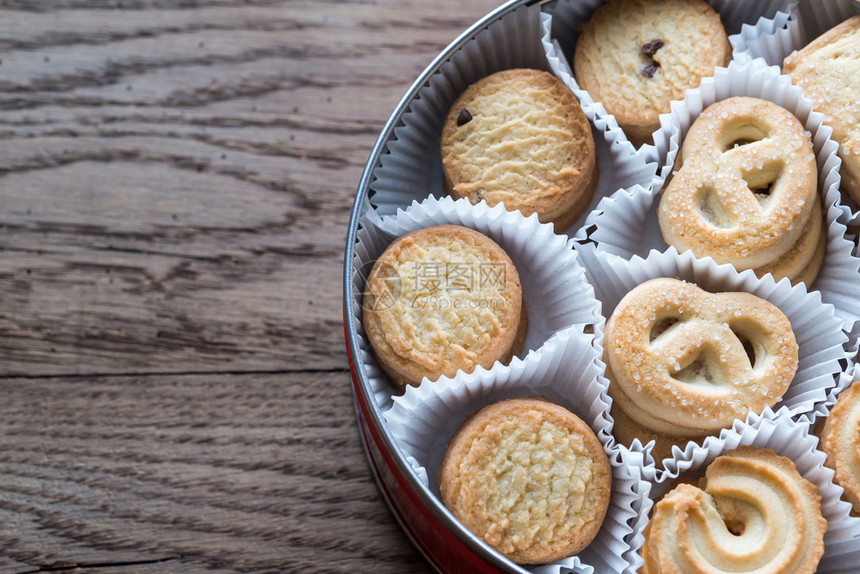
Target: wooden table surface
(176, 178)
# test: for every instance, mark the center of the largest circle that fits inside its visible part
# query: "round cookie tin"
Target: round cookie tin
(381, 211)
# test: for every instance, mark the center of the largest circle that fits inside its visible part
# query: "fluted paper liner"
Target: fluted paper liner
(627, 222)
(568, 14)
(614, 141)
(771, 39)
(846, 378)
(777, 431)
(817, 330)
(556, 294)
(777, 40)
(565, 371)
(411, 168)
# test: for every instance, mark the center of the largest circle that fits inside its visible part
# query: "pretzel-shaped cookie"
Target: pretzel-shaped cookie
(803, 261)
(746, 186)
(754, 512)
(687, 362)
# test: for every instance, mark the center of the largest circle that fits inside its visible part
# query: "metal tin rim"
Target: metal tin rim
(360, 389)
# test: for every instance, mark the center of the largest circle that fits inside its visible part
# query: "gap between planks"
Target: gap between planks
(145, 374)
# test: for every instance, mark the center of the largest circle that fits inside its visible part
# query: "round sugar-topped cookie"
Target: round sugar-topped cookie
(442, 299)
(519, 137)
(636, 56)
(529, 478)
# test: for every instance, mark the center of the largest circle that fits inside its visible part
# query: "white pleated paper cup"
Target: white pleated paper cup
(565, 371)
(619, 164)
(556, 294)
(567, 15)
(775, 41)
(627, 223)
(845, 379)
(570, 15)
(410, 169)
(370, 242)
(791, 28)
(770, 39)
(788, 438)
(636, 461)
(817, 330)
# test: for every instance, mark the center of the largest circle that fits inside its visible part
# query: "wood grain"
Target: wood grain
(100, 470)
(173, 178)
(175, 184)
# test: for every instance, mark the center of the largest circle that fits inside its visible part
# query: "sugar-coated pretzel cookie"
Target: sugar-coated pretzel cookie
(803, 261)
(528, 477)
(687, 362)
(753, 512)
(840, 440)
(746, 186)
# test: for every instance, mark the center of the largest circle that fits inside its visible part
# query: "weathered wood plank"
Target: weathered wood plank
(242, 473)
(175, 177)
(190, 280)
(175, 184)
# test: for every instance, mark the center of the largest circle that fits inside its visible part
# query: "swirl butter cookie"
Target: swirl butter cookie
(442, 299)
(746, 191)
(684, 362)
(828, 70)
(753, 512)
(520, 137)
(840, 440)
(529, 478)
(636, 56)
